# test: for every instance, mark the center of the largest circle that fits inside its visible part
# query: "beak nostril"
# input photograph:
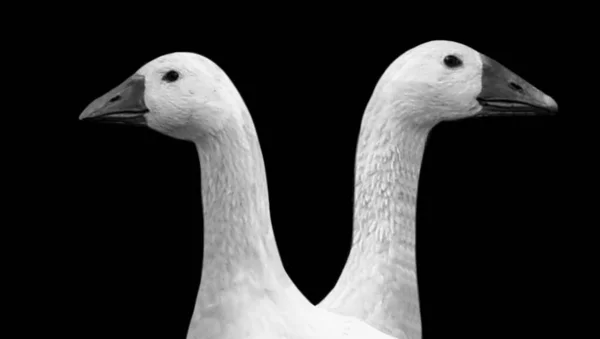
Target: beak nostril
(515, 87)
(115, 98)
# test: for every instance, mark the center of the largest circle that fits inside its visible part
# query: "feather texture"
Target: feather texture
(417, 91)
(244, 290)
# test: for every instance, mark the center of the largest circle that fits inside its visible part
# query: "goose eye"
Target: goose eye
(452, 61)
(170, 76)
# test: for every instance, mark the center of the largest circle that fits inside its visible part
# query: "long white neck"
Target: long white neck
(244, 289)
(388, 162)
(240, 252)
(378, 283)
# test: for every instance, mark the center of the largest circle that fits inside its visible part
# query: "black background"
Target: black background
(124, 255)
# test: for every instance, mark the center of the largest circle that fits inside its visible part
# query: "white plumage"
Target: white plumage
(244, 291)
(433, 82)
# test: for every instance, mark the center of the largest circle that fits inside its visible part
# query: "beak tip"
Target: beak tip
(551, 104)
(84, 115)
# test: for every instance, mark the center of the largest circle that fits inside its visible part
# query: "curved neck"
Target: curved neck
(388, 161)
(239, 245)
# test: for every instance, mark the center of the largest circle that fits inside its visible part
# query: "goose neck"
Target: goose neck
(388, 163)
(239, 245)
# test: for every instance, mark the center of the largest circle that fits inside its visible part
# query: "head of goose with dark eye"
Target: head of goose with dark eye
(170, 76)
(452, 61)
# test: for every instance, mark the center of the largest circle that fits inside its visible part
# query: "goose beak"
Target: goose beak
(124, 104)
(502, 91)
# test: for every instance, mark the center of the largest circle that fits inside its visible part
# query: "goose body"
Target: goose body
(433, 82)
(244, 291)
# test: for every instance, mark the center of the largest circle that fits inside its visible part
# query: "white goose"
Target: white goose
(433, 82)
(245, 291)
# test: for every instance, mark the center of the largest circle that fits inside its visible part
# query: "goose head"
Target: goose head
(182, 95)
(446, 80)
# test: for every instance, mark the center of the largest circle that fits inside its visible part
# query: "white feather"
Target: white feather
(379, 282)
(244, 291)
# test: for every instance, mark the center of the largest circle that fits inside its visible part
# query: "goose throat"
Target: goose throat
(238, 238)
(387, 176)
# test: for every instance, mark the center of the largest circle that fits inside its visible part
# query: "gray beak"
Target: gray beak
(124, 104)
(504, 92)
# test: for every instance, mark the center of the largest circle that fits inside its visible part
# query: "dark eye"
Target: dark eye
(171, 76)
(452, 61)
